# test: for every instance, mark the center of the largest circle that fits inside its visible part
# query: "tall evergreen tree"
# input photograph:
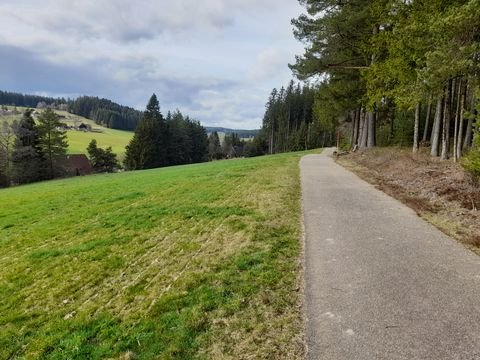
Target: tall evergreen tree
(7, 139)
(28, 160)
(179, 140)
(148, 147)
(199, 141)
(52, 142)
(214, 147)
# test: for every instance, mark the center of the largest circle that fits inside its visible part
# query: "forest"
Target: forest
(105, 112)
(395, 72)
(33, 150)
(160, 142)
(290, 122)
(25, 100)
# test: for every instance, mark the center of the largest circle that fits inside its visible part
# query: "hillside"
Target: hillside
(79, 140)
(165, 263)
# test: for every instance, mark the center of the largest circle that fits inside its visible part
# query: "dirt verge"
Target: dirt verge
(441, 192)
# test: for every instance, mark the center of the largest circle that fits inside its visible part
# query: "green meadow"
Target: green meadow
(189, 262)
(117, 139)
(79, 140)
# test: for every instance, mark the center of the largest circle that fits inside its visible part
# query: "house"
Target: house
(77, 165)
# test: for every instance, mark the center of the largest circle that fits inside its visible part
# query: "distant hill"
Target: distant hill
(18, 99)
(240, 132)
(79, 140)
(106, 112)
(103, 112)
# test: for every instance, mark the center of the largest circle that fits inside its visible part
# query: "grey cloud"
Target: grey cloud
(23, 71)
(95, 48)
(127, 21)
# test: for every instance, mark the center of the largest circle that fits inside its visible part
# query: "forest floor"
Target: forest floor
(441, 192)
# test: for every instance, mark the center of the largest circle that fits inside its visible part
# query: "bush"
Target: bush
(471, 162)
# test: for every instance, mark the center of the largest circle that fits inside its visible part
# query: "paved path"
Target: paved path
(380, 282)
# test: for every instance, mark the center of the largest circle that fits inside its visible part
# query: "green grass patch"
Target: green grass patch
(117, 139)
(189, 262)
(79, 140)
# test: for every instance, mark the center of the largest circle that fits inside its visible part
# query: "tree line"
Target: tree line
(105, 112)
(17, 99)
(290, 122)
(160, 141)
(233, 146)
(395, 70)
(31, 151)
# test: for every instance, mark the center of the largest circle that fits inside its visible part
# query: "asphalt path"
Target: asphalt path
(380, 282)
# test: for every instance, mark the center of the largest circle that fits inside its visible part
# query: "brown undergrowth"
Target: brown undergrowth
(441, 192)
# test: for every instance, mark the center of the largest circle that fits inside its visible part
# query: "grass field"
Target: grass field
(79, 140)
(117, 139)
(190, 262)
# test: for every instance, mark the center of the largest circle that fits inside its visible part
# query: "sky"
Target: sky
(215, 60)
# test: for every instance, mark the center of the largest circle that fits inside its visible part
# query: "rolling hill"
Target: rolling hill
(167, 263)
(79, 140)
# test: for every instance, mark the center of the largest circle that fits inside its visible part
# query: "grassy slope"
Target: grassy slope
(117, 139)
(197, 261)
(78, 140)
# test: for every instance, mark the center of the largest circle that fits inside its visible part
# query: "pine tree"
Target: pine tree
(29, 163)
(214, 147)
(102, 160)
(199, 140)
(179, 142)
(52, 142)
(148, 147)
(7, 139)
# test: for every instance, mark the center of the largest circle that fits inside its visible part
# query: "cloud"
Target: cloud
(269, 64)
(23, 71)
(123, 20)
(214, 59)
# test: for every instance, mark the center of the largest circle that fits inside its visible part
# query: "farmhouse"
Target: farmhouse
(77, 165)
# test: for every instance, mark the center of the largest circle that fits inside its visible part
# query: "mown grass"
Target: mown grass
(191, 262)
(78, 141)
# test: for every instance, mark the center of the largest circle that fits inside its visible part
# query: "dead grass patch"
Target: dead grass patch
(439, 191)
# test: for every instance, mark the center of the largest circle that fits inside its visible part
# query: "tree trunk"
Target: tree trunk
(469, 131)
(427, 120)
(461, 122)
(457, 119)
(357, 125)
(392, 126)
(437, 124)
(416, 128)
(363, 138)
(446, 122)
(353, 114)
(371, 126)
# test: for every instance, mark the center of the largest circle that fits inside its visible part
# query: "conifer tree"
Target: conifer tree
(7, 139)
(28, 159)
(148, 147)
(102, 160)
(214, 147)
(52, 142)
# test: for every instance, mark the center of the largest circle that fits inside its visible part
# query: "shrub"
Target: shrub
(471, 162)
